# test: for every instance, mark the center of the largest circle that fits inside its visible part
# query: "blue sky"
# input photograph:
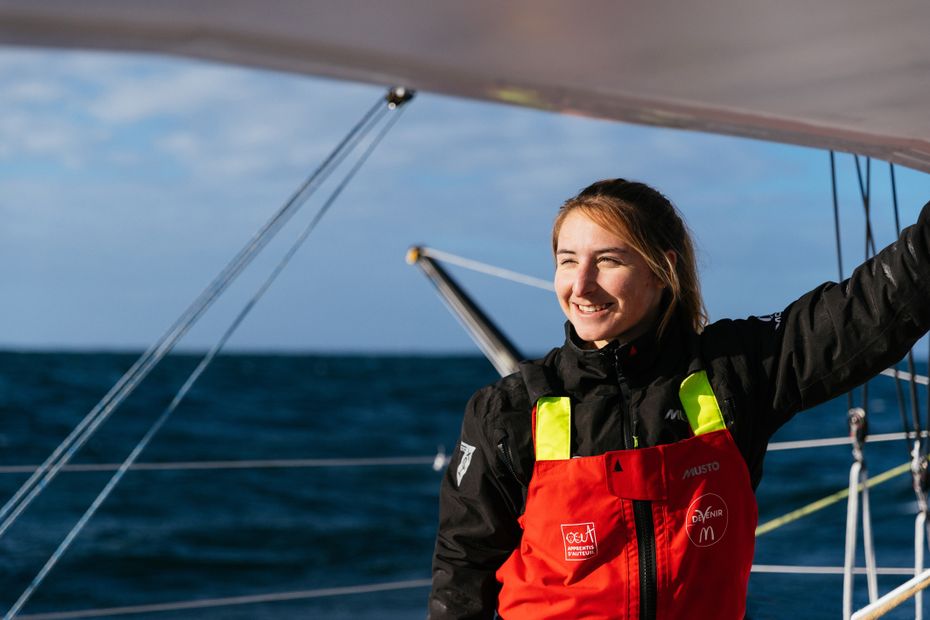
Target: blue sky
(127, 181)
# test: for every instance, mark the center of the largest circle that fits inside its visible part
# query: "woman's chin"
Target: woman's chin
(592, 336)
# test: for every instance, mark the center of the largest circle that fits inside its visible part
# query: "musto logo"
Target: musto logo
(580, 541)
(706, 520)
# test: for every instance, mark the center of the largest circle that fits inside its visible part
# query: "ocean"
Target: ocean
(352, 539)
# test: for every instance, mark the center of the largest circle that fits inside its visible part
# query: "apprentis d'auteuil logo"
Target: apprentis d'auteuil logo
(580, 541)
(706, 520)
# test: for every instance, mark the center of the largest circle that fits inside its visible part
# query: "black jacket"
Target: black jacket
(762, 370)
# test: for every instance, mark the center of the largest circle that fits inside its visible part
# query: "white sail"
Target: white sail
(844, 74)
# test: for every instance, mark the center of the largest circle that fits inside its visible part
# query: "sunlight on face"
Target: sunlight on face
(604, 287)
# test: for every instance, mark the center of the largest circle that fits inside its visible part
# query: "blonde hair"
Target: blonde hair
(652, 226)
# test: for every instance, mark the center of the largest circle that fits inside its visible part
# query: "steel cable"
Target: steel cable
(156, 426)
(141, 368)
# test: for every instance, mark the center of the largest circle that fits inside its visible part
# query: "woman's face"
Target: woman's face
(605, 287)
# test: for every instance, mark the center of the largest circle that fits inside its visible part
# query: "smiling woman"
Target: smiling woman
(616, 477)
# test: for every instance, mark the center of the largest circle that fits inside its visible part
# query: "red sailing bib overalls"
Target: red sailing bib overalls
(663, 532)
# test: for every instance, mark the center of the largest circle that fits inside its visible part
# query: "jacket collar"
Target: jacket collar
(646, 356)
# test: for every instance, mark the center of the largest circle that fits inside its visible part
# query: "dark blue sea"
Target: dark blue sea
(181, 535)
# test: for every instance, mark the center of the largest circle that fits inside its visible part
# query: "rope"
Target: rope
(858, 483)
(919, 533)
(229, 601)
(141, 368)
(485, 268)
(156, 426)
(829, 500)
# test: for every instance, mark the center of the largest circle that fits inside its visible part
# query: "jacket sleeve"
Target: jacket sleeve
(839, 335)
(477, 521)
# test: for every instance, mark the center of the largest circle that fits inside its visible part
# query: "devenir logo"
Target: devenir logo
(579, 540)
(706, 520)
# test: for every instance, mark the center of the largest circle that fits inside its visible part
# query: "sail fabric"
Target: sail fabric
(842, 74)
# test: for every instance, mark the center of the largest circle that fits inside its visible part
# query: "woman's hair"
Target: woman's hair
(652, 226)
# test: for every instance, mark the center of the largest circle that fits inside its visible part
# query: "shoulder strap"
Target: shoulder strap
(700, 404)
(552, 428)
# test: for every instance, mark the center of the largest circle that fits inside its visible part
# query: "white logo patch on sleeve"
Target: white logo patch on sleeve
(774, 319)
(464, 462)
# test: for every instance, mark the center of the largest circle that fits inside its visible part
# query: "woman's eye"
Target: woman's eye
(610, 260)
(567, 261)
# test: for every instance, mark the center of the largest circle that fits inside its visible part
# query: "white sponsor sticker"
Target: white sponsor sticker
(706, 520)
(464, 462)
(579, 540)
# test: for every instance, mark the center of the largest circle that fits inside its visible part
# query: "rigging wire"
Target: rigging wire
(499, 272)
(858, 477)
(919, 449)
(832, 441)
(865, 188)
(911, 379)
(865, 192)
(141, 368)
(839, 245)
(836, 217)
(442, 459)
(230, 601)
(204, 363)
(785, 569)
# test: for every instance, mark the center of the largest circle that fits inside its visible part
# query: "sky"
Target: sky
(127, 181)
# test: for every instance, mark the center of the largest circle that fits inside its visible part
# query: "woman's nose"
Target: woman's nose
(585, 281)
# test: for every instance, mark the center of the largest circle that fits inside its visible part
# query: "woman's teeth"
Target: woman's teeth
(591, 309)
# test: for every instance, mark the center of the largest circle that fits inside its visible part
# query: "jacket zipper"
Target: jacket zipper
(505, 457)
(642, 518)
(504, 452)
(646, 541)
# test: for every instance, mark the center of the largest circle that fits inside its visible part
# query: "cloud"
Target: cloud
(33, 91)
(131, 179)
(182, 90)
